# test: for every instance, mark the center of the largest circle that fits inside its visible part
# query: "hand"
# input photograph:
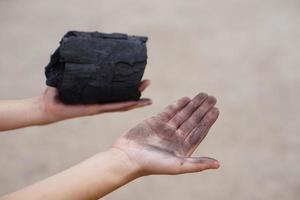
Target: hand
(164, 143)
(54, 110)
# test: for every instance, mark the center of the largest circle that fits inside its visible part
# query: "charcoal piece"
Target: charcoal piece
(94, 67)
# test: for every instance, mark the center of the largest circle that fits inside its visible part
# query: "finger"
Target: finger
(101, 108)
(187, 111)
(145, 101)
(144, 84)
(172, 109)
(51, 92)
(196, 164)
(197, 115)
(93, 109)
(123, 106)
(140, 104)
(199, 132)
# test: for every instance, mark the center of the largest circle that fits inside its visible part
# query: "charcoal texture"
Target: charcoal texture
(94, 67)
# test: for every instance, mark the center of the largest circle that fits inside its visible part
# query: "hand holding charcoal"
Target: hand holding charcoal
(54, 110)
(164, 143)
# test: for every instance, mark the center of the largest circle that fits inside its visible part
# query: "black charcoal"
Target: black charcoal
(94, 67)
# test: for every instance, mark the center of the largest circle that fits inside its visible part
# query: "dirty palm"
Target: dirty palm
(163, 144)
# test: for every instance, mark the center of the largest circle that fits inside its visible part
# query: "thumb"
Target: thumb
(197, 164)
(50, 93)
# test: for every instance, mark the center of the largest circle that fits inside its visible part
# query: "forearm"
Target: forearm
(21, 113)
(91, 179)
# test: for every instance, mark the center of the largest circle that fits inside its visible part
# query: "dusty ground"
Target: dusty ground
(246, 53)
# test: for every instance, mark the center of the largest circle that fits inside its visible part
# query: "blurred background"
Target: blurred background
(245, 52)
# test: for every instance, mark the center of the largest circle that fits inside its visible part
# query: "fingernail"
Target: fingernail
(216, 164)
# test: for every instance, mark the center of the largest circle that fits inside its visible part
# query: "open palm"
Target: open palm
(164, 143)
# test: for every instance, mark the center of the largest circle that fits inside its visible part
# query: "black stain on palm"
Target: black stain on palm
(158, 134)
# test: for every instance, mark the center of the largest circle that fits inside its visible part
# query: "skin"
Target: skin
(162, 144)
(47, 108)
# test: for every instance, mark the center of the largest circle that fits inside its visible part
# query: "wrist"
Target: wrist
(42, 112)
(124, 166)
(36, 111)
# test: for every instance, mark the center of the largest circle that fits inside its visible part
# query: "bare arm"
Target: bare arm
(47, 109)
(161, 144)
(90, 179)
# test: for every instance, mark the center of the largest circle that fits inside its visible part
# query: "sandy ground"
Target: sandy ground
(246, 53)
